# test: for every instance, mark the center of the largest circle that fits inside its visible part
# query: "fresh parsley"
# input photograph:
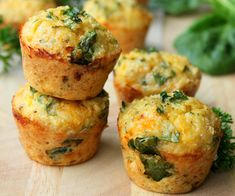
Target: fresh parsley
(9, 46)
(225, 156)
(164, 96)
(178, 96)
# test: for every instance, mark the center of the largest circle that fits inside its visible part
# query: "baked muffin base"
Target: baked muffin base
(190, 171)
(41, 144)
(54, 77)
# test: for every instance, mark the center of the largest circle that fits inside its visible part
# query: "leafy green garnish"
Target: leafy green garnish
(213, 52)
(156, 167)
(145, 145)
(178, 96)
(73, 17)
(58, 151)
(9, 46)
(85, 48)
(164, 96)
(176, 7)
(225, 156)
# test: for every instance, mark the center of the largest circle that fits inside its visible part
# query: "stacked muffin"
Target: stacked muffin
(16, 12)
(126, 19)
(61, 113)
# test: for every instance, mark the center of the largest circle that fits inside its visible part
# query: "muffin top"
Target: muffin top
(124, 13)
(69, 34)
(18, 11)
(61, 115)
(176, 123)
(152, 72)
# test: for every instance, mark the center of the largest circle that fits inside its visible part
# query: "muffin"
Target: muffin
(67, 54)
(142, 73)
(16, 12)
(169, 141)
(59, 132)
(126, 19)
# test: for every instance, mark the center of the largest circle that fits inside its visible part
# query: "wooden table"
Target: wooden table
(104, 174)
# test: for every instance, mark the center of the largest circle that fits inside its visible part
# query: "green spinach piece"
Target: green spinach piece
(123, 106)
(164, 96)
(178, 96)
(85, 48)
(49, 103)
(104, 112)
(145, 145)
(32, 90)
(156, 167)
(226, 153)
(213, 52)
(160, 79)
(58, 151)
(160, 110)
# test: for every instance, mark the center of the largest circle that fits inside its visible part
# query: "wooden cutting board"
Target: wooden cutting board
(104, 174)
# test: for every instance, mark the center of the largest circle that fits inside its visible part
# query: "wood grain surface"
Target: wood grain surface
(104, 174)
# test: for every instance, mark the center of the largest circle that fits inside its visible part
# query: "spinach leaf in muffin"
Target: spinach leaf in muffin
(156, 167)
(145, 145)
(83, 53)
(58, 151)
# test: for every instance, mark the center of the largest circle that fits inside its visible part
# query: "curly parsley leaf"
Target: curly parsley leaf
(225, 156)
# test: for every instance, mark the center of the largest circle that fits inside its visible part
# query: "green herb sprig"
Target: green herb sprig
(225, 156)
(9, 46)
